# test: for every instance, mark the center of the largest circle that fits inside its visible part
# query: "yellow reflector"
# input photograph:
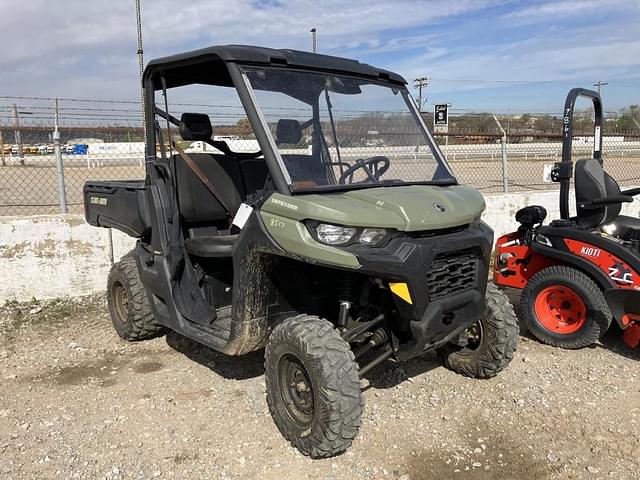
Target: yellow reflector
(401, 290)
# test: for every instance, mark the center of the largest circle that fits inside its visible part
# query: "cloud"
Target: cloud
(77, 48)
(571, 8)
(73, 42)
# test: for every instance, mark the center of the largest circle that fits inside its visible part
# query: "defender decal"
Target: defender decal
(284, 204)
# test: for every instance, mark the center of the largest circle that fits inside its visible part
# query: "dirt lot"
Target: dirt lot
(77, 402)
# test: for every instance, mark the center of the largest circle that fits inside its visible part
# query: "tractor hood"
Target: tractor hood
(405, 208)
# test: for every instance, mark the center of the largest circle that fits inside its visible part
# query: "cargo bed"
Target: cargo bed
(117, 204)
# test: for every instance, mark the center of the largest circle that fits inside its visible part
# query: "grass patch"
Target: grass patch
(16, 316)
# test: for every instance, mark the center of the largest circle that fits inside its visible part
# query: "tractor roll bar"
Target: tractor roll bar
(567, 120)
(563, 171)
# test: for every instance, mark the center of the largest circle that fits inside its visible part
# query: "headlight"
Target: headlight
(339, 235)
(372, 236)
(334, 234)
(543, 239)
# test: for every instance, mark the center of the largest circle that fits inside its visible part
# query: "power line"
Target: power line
(52, 99)
(480, 80)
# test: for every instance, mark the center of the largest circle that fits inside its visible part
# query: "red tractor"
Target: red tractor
(578, 272)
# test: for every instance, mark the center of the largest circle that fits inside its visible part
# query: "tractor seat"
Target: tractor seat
(211, 246)
(592, 183)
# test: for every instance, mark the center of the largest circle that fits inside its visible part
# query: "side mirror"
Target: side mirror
(288, 131)
(195, 127)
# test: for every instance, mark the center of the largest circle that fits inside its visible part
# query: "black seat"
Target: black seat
(599, 200)
(203, 215)
(196, 203)
(206, 210)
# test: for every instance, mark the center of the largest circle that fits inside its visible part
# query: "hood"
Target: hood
(405, 208)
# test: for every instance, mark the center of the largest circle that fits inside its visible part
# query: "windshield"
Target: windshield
(336, 131)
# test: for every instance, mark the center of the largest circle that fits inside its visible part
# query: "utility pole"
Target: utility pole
(420, 83)
(599, 84)
(62, 196)
(4, 163)
(18, 137)
(503, 142)
(141, 68)
(314, 40)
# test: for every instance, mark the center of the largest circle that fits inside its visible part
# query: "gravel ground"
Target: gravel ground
(77, 402)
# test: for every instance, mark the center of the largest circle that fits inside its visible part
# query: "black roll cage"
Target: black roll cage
(276, 171)
(222, 66)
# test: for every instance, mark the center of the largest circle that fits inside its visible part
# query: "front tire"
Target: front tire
(313, 388)
(563, 307)
(491, 341)
(128, 302)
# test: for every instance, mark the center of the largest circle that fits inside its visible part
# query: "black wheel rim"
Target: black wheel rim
(296, 390)
(120, 300)
(474, 335)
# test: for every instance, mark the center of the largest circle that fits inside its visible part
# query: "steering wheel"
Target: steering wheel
(374, 167)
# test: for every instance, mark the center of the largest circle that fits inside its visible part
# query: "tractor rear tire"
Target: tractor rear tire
(313, 387)
(563, 307)
(128, 302)
(492, 340)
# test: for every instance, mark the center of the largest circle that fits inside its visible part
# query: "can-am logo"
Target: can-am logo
(439, 207)
(98, 200)
(590, 252)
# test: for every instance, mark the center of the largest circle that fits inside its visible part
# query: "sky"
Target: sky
(481, 55)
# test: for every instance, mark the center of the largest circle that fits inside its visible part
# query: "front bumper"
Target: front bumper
(445, 302)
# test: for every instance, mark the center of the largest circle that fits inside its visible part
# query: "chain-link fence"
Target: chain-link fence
(98, 140)
(532, 145)
(103, 140)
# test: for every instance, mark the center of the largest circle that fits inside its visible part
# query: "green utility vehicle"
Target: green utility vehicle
(341, 241)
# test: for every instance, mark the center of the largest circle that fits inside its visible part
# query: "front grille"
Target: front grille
(437, 233)
(452, 272)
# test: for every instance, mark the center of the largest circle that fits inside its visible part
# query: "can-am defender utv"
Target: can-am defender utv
(344, 241)
(564, 269)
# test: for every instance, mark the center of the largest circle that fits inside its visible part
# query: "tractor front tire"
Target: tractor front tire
(563, 307)
(128, 303)
(491, 343)
(313, 387)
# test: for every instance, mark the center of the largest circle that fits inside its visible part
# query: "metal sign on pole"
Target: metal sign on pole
(441, 118)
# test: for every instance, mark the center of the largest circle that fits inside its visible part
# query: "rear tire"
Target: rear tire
(313, 388)
(128, 303)
(492, 340)
(563, 307)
